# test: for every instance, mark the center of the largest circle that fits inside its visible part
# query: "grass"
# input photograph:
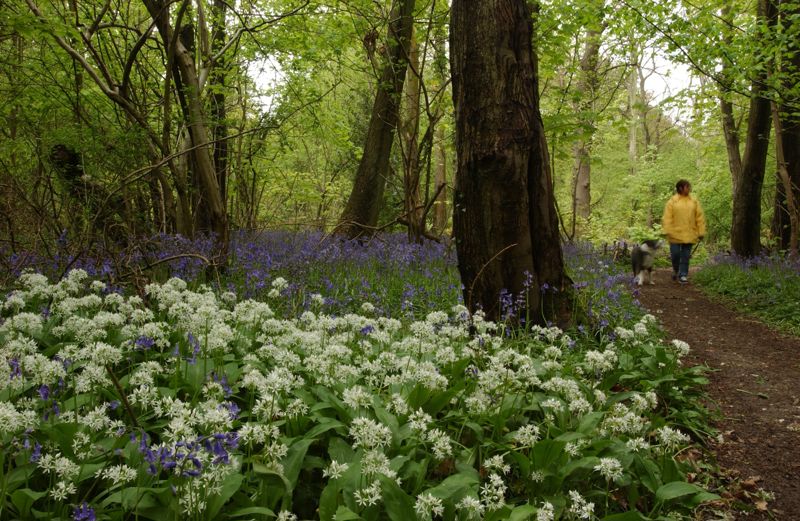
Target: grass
(766, 287)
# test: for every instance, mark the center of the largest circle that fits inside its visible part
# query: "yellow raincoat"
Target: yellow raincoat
(683, 221)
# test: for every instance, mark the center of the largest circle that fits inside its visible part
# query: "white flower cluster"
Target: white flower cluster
(186, 358)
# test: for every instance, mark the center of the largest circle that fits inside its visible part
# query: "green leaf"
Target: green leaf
(455, 485)
(251, 511)
(702, 497)
(230, 486)
(522, 513)
(294, 460)
(329, 500)
(399, 505)
(676, 489)
(648, 473)
(626, 516)
(24, 499)
(325, 424)
(547, 454)
(345, 514)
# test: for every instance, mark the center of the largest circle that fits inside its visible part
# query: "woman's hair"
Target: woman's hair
(680, 184)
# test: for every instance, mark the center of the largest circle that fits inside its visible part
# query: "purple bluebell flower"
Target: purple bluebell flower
(144, 343)
(36, 454)
(16, 371)
(83, 513)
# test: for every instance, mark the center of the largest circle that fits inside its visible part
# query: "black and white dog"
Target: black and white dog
(642, 258)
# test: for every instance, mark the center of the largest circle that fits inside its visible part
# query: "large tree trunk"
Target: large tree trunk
(787, 140)
(505, 224)
(360, 215)
(746, 222)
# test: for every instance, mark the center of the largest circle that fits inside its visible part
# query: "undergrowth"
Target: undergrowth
(765, 287)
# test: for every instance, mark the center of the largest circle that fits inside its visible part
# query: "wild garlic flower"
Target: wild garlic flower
(553, 404)
(681, 348)
(552, 353)
(497, 464)
(527, 435)
(82, 445)
(397, 405)
(375, 462)
(640, 329)
(472, 506)
(537, 476)
(117, 474)
(671, 439)
(624, 334)
(493, 493)
(580, 406)
(63, 490)
(574, 448)
(428, 506)
(285, 515)
(369, 434)
(580, 508)
(335, 470)
(637, 445)
(419, 420)
(598, 362)
(546, 512)
(356, 397)
(610, 469)
(13, 421)
(369, 496)
(441, 442)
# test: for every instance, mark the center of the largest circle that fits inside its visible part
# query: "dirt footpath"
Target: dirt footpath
(755, 383)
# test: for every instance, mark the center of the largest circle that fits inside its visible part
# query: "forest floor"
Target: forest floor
(754, 386)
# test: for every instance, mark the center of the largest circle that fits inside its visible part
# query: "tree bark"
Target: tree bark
(440, 182)
(505, 224)
(201, 150)
(410, 139)
(730, 129)
(746, 221)
(784, 176)
(785, 218)
(582, 149)
(360, 216)
(218, 100)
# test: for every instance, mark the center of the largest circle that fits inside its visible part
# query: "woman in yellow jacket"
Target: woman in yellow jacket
(684, 224)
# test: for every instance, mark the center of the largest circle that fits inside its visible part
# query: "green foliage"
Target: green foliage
(768, 288)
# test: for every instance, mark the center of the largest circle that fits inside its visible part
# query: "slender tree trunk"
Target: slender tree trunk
(440, 182)
(201, 150)
(218, 100)
(730, 129)
(410, 139)
(633, 113)
(746, 222)
(505, 224)
(360, 215)
(782, 155)
(582, 148)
